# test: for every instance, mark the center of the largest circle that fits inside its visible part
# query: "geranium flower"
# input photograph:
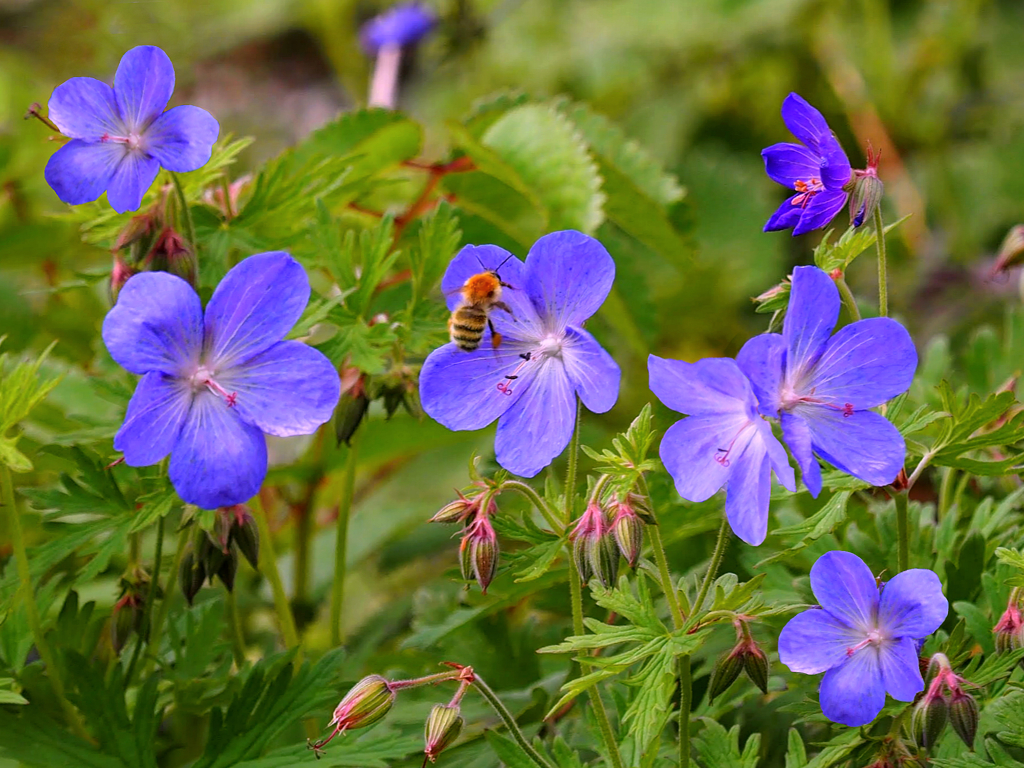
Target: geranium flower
(821, 385)
(723, 443)
(818, 170)
(400, 25)
(212, 385)
(864, 637)
(530, 382)
(121, 136)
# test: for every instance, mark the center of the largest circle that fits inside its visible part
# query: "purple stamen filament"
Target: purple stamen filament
(230, 397)
(722, 454)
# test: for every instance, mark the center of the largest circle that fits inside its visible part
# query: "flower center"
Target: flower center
(203, 377)
(807, 189)
(550, 346)
(790, 398)
(874, 637)
(133, 140)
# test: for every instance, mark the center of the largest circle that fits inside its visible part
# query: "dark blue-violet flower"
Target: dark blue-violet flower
(865, 637)
(821, 385)
(723, 443)
(213, 385)
(817, 170)
(545, 359)
(121, 136)
(400, 25)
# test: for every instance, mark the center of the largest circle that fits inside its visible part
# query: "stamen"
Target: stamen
(230, 397)
(808, 190)
(722, 454)
(503, 386)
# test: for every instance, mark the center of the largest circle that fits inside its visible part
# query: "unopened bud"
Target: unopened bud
(1011, 251)
(755, 664)
(866, 196)
(366, 703)
(443, 727)
(247, 536)
(228, 569)
(172, 254)
(629, 533)
(479, 552)
(725, 673)
(774, 299)
(191, 574)
(349, 414)
(126, 617)
(963, 716)
(1009, 630)
(119, 275)
(455, 511)
(929, 719)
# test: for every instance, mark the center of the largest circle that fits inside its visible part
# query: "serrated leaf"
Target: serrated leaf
(718, 748)
(654, 684)
(851, 244)
(822, 522)
(796, 752)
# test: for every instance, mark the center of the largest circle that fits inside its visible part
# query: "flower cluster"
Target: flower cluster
(944, 700)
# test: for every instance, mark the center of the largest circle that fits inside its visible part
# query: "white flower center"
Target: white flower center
(203, 378)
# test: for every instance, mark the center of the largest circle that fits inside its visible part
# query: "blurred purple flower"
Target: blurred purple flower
(213, 385)
(400, 25)
(821, 385)
(818, 170)
(121, 136)
(530, 382)
(864, 637)
(724, 442)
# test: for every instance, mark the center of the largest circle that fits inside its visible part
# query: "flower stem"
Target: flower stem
(534, 498)
(570, 474)
(268, 566)
(883, 272)
(348, 484)
(35, 623)
(945, 492)
(902, 532)
(685, 703)
(186, 212)
(237, 639)
(156, 628)
(659, 557)
(716, 561)
(848, 300)
(150, 600)
(510, 722)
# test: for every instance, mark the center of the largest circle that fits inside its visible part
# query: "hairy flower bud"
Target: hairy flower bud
(128, 613)
(629, 533)
(724, 674)
(349, 414)
(746, 656)
(604, 558)
(119, 275)
(963, 716)
(455, 511)
(929, 719)
(172, 254)
(228, 569)
(585, 537)
(368, 702)
(755, 664)
(1009, 630)
(443, 727)
(478, 553)
(1011, 251)
(191, 574)
(247, 536)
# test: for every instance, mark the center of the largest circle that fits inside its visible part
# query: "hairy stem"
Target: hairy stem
(35, 623)
(510, 723)
(902, 532)
(570, 474)
(348, 484)
(157, 626)
(883, 271)
(150, 601)
(659, 557)
(534, 498)
(235, 619)
(268, 566)
(685, 704)
(186, 212)
(716, 561)
(848, 299)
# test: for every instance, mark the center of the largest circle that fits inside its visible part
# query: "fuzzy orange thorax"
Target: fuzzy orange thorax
(484, 287)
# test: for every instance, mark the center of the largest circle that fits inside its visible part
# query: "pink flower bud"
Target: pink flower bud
(442, 728)
(628, 531)
(366, 703)
(479, 551)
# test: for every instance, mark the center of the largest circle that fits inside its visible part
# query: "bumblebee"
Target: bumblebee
(481, 294)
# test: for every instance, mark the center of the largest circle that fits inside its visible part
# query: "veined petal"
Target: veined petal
(862, 444)
(255, 305)
(474, 259)
(814, 641)
(748, 490)
(459, 389)
(693, 452)
(132, 177)
(143, 84)
(866, 363)
(712, 386)
(592, 371)
(568, 277)
(805, 122)
(153, 422)
(182, 138)
(824, 207)
(761, 360)
(853, 693)
(777, 456)
(846, 588)
(219, 459)
(786, 216)
(538, 426)
(835, 169)
(912, 604)
(787, 164)
(811, 316)
(289, 389)
(156, 325)
(798, 437)
(901, 672)
(79, 171)
(85, 108)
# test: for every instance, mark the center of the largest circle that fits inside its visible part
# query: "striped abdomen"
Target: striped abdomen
(466, 327)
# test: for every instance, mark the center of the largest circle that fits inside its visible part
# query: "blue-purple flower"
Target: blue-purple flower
(545, 359)
(121, 136)
(865, 637)
(213, 385)
(817, 170)
(821, 385)
(400, 25)
(723, 443)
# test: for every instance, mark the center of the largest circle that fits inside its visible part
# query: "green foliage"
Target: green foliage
(21, 390)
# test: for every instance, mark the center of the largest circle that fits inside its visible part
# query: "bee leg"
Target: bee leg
(525, 355)
(495, 336)
(502, 305)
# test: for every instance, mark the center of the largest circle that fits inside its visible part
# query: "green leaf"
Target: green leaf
(21, 390)
(510, 753)
(718, 748)
(652, 702)
(379, 748)
(851, 244)
(824, 521)
(796, 752)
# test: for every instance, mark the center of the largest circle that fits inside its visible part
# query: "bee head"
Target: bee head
(485, 286)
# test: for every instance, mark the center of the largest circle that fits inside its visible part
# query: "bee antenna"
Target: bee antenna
(502, 263)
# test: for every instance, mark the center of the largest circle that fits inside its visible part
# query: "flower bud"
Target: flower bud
(1009, 630)
(479, 552)
(866, 191)
(127, 616)
(584, 536)
(604, 558)
(247, 536)
(349, 414)
(172, 254)
(724, 674)
(443, 727)
(366, 703)
(228, 569)
(929, 718)
(755, 664)
(1011, 251)
(963, 716)
(191, 574)
(119, 275)
(455, 511)
(628, 532)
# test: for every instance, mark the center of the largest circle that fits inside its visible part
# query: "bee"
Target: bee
(481, 294)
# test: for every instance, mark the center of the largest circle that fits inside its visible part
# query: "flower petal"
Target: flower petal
(132, 177)
(748, 492)
(459, 389)
(143, 84)
(761, 360)
(820, 211)
(798, 437)
(474, 259)
(153, 422)
(777, 456)
(787, 164)
(689, 449)
(811, 316)
(814, 641)
(912, 604)
(219, 459)
(805, 122)
(182, 138)
(79, 171)
(865, 364)
(787, 215)
(846, 588)
(592, 371)
(85, 108)
(835, 169)
(289, 389)
(568, 277)
(712, 386)
(255, 305)
(862, 444)
(901, 672)
(853, 693)
(538, 426)
(156, 325)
